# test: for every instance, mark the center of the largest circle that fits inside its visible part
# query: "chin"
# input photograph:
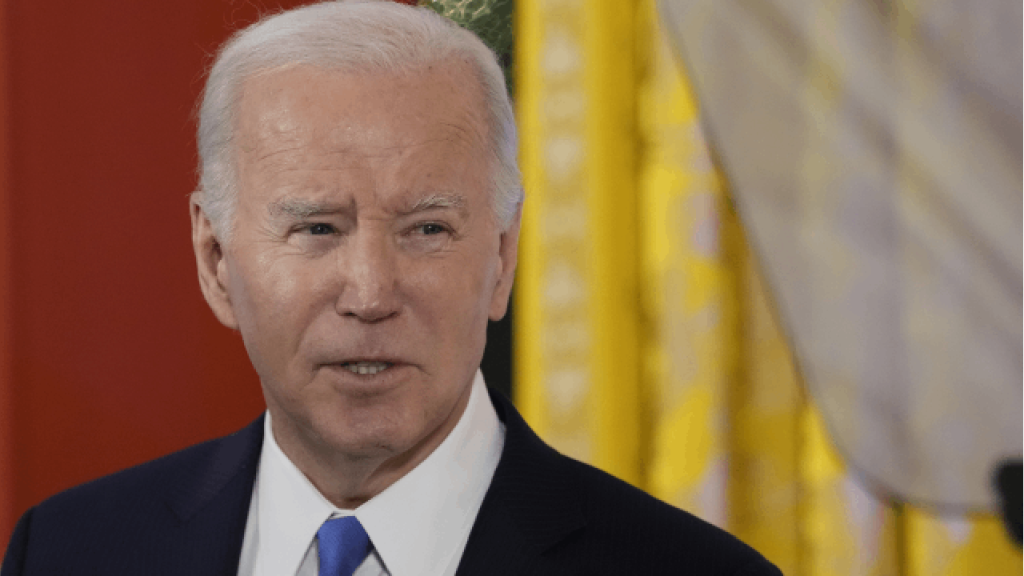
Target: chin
(371, 431)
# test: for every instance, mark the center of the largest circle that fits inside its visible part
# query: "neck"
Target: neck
(345, 479)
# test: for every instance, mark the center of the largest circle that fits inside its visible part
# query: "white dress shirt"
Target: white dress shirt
(417, 526)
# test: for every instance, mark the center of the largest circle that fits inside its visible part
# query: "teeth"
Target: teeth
(365, 368)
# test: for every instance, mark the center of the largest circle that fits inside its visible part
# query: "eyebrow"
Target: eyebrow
(437, 201)
(298, 208)
(301, 209)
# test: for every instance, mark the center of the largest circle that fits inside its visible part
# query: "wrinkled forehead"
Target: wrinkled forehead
(303, 102)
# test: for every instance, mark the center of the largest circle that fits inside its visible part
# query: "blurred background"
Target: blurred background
(770, 268)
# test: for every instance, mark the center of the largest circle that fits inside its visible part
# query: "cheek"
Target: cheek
(456, 295)
(270, 308)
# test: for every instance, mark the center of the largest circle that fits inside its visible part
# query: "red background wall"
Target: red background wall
(108, 353)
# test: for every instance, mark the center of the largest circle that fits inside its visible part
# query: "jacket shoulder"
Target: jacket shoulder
(134, 516)
(581, 520)
(138, 486)
(630, 528)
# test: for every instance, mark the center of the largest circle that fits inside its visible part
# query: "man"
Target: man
(357, 223)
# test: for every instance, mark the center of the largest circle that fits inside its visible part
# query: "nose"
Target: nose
(369, 292)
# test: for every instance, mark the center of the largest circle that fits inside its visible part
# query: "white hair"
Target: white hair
(351, 35)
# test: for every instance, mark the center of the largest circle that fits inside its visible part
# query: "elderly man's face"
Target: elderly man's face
(365, 259)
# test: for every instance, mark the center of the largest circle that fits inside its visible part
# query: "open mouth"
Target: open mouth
(367, 368)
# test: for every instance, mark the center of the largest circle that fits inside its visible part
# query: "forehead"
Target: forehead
(302, 104)
(389, 139)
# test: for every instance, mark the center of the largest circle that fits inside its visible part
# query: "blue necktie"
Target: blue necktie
(342, 547)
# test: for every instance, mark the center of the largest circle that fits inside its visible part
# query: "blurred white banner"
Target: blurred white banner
(874, 151)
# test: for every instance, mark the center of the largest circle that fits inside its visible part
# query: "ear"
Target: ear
(213, 270)
(508, 254)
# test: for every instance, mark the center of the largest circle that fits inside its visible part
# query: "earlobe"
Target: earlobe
(212, 266)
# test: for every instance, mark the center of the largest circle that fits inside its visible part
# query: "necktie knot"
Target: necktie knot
(342, 546)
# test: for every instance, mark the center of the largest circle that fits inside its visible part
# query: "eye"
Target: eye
(432, 228)
(428, 236)
(321, 229)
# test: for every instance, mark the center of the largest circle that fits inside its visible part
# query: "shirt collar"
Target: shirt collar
(418, 525)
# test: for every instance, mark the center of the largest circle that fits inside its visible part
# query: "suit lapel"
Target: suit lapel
(211, 500)
(530, 506)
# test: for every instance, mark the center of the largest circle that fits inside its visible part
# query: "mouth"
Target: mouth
(366, 367)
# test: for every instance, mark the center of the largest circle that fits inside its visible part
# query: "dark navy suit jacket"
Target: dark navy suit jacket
(544, 514)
